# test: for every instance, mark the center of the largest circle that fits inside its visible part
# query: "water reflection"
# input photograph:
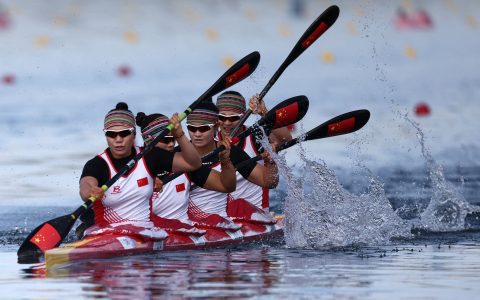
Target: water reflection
(217, 273)
(422, 267)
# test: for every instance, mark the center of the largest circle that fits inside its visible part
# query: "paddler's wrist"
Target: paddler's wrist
(177, 137)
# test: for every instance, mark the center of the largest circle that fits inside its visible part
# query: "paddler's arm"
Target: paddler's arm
(264, 176)
(188, 159)
(224, 181)
(267, 175)
(94, 172)
(89, 187)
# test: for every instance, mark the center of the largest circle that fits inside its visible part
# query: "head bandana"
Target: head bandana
(119, 116)
(205, 113)
(231, 101)
(151, 125)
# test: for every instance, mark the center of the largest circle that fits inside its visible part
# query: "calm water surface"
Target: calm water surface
(414, 271)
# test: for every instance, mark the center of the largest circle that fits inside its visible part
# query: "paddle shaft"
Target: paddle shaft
(342, 124)
(313, 32)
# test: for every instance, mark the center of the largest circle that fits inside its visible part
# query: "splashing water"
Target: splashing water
(447, 208)
(320, 213)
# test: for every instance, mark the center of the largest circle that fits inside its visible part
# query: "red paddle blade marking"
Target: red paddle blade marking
(315, 35)
(46, 238)
(286, 115)
(341, 127)
(237, 76)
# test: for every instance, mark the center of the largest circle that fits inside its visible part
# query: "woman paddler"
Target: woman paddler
(125, 206)
(209, 208)
(232, 107)
(170, 206)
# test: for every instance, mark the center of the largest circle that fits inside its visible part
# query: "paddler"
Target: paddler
(232, 107)
(125, 206)
(170, 206)
(209, 208)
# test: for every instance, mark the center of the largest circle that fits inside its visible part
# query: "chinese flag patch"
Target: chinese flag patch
(46, 238)
(286, 115)
(180, 187)
(142, 181)
(341, 127)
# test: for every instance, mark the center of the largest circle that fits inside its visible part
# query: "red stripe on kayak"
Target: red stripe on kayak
(341, 127)
(286, 115)
(237, 76)
(315, 35)
(46, 238)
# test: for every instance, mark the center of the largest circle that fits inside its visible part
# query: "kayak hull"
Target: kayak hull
(114, 245)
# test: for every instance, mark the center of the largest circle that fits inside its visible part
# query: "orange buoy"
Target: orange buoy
(422, 110)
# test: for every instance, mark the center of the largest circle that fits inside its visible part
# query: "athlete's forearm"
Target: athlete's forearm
(189, 153)
(271, 174)
(280, 136)
(227, 176)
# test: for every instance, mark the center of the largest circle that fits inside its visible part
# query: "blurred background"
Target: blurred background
(64, 64)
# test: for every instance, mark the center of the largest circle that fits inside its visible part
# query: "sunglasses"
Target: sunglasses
(231, 118)
(114, 133)
(167, 139)
(201, 128)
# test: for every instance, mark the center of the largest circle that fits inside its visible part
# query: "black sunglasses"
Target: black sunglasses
(201, 128)
(167, 139)
(231, 118)
(122, 133)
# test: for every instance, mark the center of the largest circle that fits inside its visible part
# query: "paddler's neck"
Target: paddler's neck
(120, 156)
(240, 130)
(207, 148)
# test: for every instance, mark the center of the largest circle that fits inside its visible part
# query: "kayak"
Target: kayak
(114, 245)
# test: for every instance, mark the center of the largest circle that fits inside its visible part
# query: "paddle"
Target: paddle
(313, 32)
(51, 233)
(343, 124)
(283, 114)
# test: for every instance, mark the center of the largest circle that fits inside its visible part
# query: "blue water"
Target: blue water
(390, 211)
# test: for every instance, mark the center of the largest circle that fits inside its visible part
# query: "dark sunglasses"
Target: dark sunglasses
(231, 118)
(114, 133)
(167, 139)
(201, 128)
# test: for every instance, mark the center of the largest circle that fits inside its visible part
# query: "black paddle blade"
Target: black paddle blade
(286, 112)
(236, 73)
(343, 124)
(46, 236)
(316, 29)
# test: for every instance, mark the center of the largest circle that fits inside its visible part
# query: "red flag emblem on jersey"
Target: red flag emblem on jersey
(46, 238)
(341, 127)
(180, 187)
(286, 115)
(142, 181)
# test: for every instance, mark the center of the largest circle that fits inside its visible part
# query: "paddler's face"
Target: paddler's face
(201, 134)
(166, 143)
(228, 120)
(120, 140)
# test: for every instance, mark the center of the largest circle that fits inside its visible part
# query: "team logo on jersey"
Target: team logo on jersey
(142, 182)
(180, 187)
(116, 190)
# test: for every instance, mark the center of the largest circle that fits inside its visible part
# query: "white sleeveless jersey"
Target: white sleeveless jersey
(172, 202)
(128, 199)
(204, 202)
(251, 192)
